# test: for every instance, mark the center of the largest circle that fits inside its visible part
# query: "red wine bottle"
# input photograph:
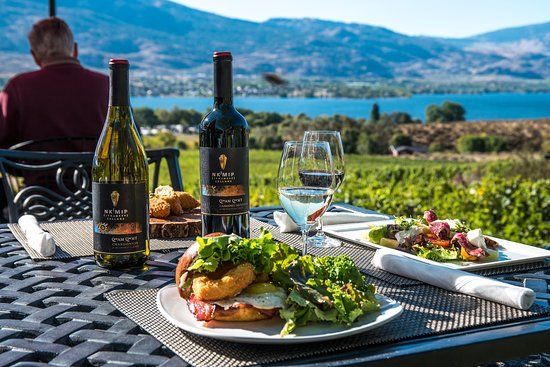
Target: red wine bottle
(223, 141)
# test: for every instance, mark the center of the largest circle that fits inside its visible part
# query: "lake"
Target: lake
(493, 106)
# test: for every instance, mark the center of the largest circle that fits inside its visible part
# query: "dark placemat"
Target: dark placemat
(510, 269)
(428, 311)
(74, 239)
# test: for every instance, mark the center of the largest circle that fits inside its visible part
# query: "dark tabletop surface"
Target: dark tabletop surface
(54, 312)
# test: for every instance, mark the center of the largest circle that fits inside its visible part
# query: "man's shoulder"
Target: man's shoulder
(21, 78)
(96, 75)
(32, 76)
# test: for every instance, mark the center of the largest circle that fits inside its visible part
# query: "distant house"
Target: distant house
(407, 150)
(192, 130)
(176, 129)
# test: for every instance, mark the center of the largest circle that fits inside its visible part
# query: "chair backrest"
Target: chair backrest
(69, 197)
(64, 144)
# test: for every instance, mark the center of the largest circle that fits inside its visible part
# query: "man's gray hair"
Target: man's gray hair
(51, 38)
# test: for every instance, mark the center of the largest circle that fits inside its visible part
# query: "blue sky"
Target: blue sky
(456, 18)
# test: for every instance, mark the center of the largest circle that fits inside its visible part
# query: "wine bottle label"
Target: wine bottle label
(224, 181)
(120, 213)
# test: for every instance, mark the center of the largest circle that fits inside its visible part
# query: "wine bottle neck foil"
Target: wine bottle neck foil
(119, 91)
(223, 82)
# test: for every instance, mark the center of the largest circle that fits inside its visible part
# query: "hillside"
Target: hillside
(164, 37)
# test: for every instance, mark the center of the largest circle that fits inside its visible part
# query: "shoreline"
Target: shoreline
(282, 97)
(488, 106)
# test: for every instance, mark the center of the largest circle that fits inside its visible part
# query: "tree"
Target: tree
(396, 118)
(167, 139)
(181, 145)
(448, 112)
(400, 139)
(177, 116)
(374, 113)
(349, 140)
(434, 113)
(453, 111)
(370, 144)
(471, 144)
(145, 116)
(481, 143)
(163, 116)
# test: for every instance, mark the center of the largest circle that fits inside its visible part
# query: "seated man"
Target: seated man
(62, 99)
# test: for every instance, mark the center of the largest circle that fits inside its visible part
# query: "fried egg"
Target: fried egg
(260, 295)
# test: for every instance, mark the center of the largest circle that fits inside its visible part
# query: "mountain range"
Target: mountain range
(161, 37)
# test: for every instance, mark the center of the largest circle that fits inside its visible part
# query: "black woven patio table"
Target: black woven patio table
(55, 312)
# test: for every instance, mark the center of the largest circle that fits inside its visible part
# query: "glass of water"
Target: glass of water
(305, 199)
(335, 142)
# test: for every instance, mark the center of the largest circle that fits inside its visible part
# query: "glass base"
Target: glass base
(321, 240)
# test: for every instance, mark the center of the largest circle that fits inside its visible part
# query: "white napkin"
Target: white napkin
(39, 240)
(286, 224)
(454, 280)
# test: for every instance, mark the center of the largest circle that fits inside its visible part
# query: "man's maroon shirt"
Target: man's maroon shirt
(59, 100)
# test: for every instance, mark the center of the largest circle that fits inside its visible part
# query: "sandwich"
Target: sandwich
(223, 278)
(229, 278)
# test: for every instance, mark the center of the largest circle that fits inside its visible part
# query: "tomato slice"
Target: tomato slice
(439, 242)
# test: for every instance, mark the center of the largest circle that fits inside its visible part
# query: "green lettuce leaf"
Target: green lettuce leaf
(436, 253)
(377, 233)
(461, 226)
(262, 252)
(328, 288)
(405, 223)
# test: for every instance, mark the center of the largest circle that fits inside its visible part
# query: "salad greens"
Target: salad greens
(460, 226)
(377, 233)
(435, 239)
(405, 223)
(437, 253)
(328, 288)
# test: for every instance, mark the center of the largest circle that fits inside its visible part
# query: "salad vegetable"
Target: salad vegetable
(430, 216)
(328, 288)
(435, 239)
(436, 253)
(377, 233)
(441, 230)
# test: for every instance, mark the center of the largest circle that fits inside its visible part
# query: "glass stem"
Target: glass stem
(304, 239)
(320, 227)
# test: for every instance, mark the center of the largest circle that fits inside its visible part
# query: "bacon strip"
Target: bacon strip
(270, 312)
(203, 311)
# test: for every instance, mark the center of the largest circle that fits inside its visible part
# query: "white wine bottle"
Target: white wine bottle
(120, 179)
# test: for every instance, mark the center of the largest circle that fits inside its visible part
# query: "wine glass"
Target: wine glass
(305, 198)
(335, 142)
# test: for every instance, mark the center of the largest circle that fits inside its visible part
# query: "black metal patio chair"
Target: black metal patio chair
(64, 144)
(61, 181)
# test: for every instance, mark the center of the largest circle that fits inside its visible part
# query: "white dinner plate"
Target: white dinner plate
(175, 310)
(510, 253)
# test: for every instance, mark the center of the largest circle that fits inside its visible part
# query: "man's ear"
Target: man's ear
(75, 50)
(36, 59)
